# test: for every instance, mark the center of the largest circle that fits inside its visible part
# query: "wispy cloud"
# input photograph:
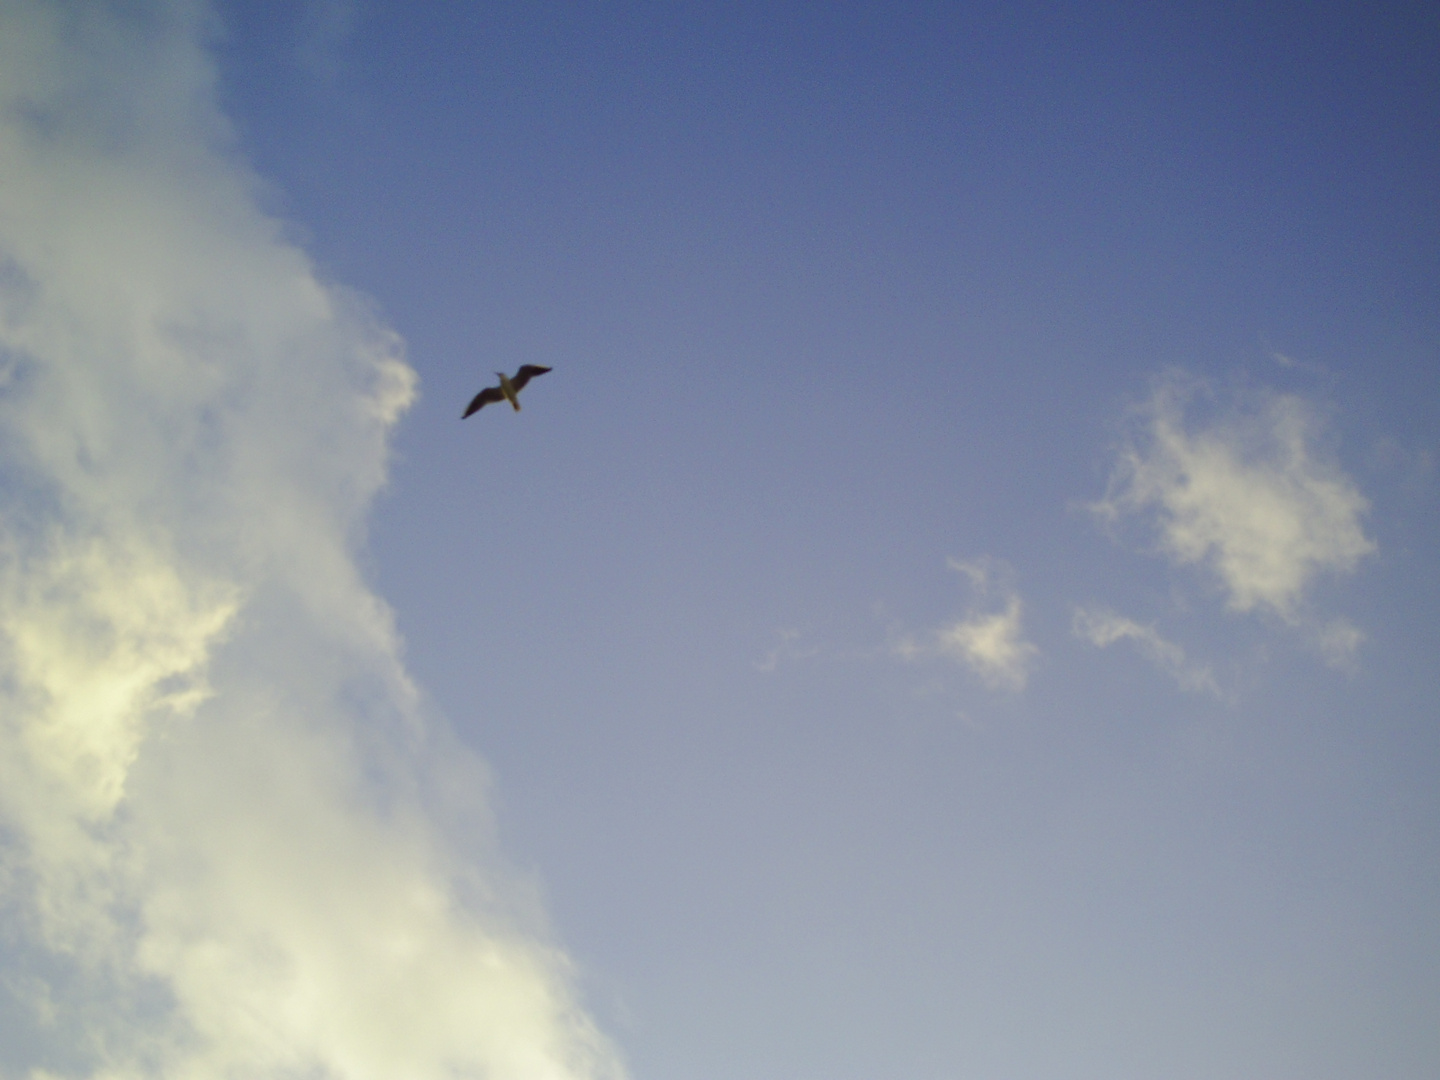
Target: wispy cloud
(787, 649)
(1338, 641)
(988, 639)
(1103, 628)
(1246, 493)
(232, 841)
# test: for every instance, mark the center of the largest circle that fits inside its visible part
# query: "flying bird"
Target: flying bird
(508, 390)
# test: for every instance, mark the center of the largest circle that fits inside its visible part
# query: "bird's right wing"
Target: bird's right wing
(488, 396)
(525, 374)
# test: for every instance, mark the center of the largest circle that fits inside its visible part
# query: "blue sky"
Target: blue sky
(962, 605)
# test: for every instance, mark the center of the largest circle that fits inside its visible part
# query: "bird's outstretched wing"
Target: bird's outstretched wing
(525, 374)
(488, 396)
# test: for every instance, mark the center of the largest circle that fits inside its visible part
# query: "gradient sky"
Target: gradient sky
(964, 606)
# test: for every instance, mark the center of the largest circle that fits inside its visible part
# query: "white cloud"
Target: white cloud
(1247, 495)
(991, 643)
(232, 842)
(1103, 628)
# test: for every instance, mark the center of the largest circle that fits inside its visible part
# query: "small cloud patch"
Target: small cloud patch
(1248, 495)
(1338, 641)
(786, 650)
(1103, 628)
(989, 640)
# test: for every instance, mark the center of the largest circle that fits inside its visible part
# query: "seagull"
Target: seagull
(508, 390)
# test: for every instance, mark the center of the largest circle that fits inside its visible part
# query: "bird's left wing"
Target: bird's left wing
(488, 396)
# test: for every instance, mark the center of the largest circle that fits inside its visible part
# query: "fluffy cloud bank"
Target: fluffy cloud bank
(1246, 494)
(232, 842)
(989, 642)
